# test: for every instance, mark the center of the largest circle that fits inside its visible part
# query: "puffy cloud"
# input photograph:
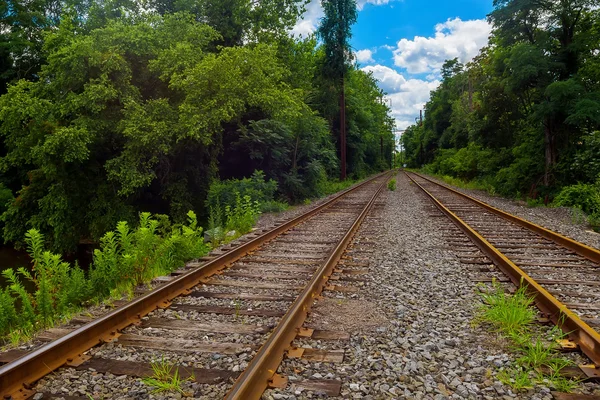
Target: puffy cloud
(364, 56)
(453, 38)
(408, 96)
(310, 20)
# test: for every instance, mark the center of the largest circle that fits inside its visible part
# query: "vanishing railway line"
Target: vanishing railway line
(562, 274)
(235, 314)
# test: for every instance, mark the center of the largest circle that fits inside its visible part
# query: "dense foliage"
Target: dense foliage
(111, 108)
(523, 118)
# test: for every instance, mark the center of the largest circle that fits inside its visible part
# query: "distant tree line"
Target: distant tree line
(113, 107)
(523, 117)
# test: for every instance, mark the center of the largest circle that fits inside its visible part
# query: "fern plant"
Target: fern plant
(27, 309)
(125, 259)
(9, 319)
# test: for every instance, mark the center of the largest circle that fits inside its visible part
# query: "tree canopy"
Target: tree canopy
(110, 109)
(523, 115)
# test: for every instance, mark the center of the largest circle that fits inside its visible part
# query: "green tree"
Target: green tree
(335, 31)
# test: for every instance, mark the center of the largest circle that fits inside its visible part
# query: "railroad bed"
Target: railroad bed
(562, 274)
(392, 319)
(224, 323)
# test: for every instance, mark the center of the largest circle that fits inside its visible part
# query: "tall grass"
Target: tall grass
(126, 258)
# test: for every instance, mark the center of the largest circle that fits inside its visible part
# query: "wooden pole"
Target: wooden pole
(342, 133)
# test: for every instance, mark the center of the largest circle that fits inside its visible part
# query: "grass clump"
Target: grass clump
(509, 315)
(391, 185)
(165, 377)
(538, 361)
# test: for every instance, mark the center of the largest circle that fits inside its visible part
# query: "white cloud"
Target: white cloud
(453, 38)
(310, 20)
(408, 96)
(360, 4)
(364, 56)
(314, 12)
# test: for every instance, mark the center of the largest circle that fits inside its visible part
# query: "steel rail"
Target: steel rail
(256, 378)
(17, 377)
(583, 250)
(580, 332)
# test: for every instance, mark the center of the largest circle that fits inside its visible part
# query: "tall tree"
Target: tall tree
(335, 30)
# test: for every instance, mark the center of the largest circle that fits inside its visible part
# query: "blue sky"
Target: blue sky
(404, 43)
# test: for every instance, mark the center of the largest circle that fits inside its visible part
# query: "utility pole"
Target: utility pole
(383, 100)
(343, 132)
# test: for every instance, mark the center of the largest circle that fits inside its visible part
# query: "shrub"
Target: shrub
(584, 196)
(274, 206)
(391, 185)
(223, 193)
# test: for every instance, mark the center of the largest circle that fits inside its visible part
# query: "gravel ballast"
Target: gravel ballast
(410, 324)
(423, 344)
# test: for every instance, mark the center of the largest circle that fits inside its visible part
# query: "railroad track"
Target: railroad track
(225, 324)
(562, 274)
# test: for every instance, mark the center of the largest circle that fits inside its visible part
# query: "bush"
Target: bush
(274, 206)
(223, 193)
(391, 185)
(584, 196)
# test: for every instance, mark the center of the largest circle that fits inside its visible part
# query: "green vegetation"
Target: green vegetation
(521, 119)
(109, 109)
(126, 258)
(391, 185)
(512, 317)
(165, 377)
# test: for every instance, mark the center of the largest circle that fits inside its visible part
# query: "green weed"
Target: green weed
(238, 306)
(391, 185)
(165, 377)
(517, 378)
(274, 206)
(512, 317)
(537, 353)
(509, 315)
(242, 217)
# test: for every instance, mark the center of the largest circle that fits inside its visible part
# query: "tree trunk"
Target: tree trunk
(294, 159)
(342, 133)
(550, 151)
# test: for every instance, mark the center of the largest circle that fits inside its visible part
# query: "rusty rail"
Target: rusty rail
(256, 378)
(580, 332)
(17, 377)
(583, 250)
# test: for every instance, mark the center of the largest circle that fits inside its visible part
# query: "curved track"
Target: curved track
(227, 322)
(562, 274)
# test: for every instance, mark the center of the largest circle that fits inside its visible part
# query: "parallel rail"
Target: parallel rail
(255, 379)
(586, 337)
(17, 377)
